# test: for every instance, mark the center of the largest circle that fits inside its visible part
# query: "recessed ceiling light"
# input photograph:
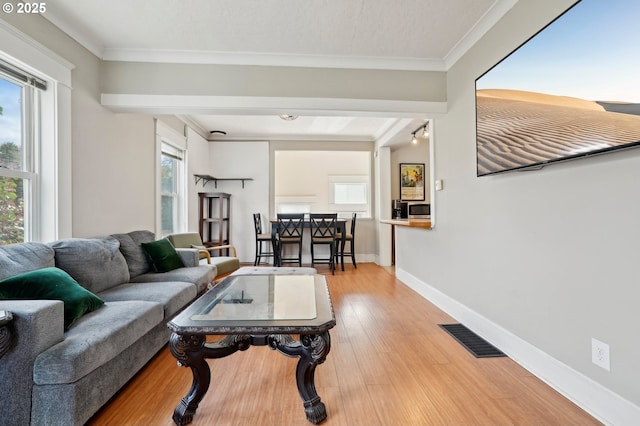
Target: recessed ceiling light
(287, 117)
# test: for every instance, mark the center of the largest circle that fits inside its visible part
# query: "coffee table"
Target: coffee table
(256, 310)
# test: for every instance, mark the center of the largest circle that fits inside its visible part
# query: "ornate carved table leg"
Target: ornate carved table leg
(191, 351)
(312, 350)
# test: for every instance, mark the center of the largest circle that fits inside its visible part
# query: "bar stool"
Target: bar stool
(323, 232)
(348, 238)
(262, 238)
(289, 233)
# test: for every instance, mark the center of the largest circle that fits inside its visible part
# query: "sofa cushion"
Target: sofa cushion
(201, 276)
(173, 295)
(131, 248)
(225, 264)
(96, 338)
(162, 255)
(96, 263)
(51, 284)
(18, 258)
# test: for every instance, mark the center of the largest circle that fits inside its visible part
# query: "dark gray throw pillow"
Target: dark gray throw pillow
(96, 263)
(131, 248)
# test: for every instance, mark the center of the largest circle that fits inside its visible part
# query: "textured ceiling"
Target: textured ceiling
(396, 29)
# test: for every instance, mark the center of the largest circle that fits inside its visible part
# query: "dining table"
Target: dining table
(341, 228)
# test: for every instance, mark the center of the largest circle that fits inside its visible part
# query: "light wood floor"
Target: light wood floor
(390, 364)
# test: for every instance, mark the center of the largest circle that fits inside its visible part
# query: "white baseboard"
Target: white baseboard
(365, 258)
(360, 258)
(600, 402)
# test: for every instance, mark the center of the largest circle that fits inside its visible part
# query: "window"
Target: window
(172, 209)
(349, 194)
(42, 181)
(171, 166)
(19, 107)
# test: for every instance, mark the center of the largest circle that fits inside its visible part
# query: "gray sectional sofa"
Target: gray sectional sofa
(53, 376)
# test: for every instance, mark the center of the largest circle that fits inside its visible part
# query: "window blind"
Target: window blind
(22, 75)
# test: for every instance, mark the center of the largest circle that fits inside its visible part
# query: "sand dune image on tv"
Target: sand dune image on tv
(519, 130)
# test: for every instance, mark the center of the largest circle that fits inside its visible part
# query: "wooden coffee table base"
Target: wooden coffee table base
(192, 351)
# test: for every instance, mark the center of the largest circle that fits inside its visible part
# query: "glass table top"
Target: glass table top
(262, 297)
(259, 303)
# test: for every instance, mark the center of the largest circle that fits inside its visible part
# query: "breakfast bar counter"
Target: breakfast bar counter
(409, 223)
(412, 223)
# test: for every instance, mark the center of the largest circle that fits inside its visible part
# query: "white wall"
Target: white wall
(112, 159)
(260, 81)
(305, 175)
(383, 207)
(539, 262)
(235, 160)
(197, 163)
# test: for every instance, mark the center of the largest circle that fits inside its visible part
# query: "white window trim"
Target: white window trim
(54, 186)
(167, 135)
(29, 171)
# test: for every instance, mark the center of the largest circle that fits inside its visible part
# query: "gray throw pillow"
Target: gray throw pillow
(131, 248)
(95, 263)
(19, 258)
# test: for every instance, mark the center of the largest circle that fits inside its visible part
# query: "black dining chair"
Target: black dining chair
(261, 239)
(289, 232)
(323, 232)
(348, 238)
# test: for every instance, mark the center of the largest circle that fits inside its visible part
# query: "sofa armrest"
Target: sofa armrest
(36, 326)
(232, 249)
(189, 256)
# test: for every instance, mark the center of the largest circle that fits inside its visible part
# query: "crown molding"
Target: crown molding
(95, 46)
(34, 56)
(195, 126)
(90, 43)
(488, 20)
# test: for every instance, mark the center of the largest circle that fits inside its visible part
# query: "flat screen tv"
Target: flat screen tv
(570, 91)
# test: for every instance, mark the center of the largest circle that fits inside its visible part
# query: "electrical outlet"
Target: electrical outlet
(600, 354)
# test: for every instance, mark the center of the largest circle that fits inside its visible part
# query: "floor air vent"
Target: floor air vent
(475, 344)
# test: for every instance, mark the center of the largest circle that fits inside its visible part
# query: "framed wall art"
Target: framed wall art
(412, 181)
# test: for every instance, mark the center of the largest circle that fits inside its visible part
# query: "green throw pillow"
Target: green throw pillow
(162, 255)
(52, 284)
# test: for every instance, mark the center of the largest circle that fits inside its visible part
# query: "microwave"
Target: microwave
(419, 210)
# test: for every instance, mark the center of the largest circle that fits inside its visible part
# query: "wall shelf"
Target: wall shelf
(206, 179)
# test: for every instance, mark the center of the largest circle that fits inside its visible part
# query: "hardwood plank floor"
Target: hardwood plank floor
(390, 364)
